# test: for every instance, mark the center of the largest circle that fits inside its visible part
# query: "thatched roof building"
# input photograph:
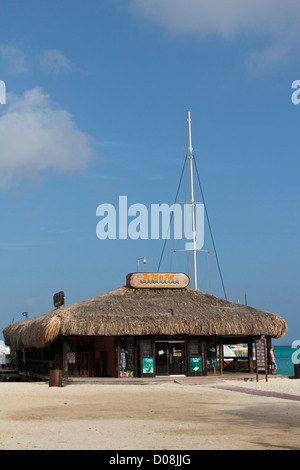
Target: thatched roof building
(138, 312)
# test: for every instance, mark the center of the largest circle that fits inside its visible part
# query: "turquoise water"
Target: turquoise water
(283, 357)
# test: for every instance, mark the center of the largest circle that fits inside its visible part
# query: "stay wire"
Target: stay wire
(210, 230)
(171, 218)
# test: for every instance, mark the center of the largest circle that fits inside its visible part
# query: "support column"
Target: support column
(268, 346)
(117, 356)
(221, 354)
(65, 357)
(250, 354)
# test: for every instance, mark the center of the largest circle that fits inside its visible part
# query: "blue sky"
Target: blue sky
(97, 96)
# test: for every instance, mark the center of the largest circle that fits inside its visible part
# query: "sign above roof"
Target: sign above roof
(59, 299)
(157, 280)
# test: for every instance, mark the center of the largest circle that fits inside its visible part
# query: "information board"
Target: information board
(261, 358)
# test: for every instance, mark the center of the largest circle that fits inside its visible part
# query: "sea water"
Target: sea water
(283, 357)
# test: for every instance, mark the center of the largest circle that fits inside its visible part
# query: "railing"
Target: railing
(236, 364)
(36, 367)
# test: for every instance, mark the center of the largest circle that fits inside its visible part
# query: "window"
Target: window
(147, 347)
(195, 346)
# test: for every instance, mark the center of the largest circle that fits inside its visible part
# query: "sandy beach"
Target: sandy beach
(156, 416)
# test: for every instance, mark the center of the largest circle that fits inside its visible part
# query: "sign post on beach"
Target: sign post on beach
(261, 357)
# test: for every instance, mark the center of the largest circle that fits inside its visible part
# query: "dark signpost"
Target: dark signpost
(59, 299)
(261, 358)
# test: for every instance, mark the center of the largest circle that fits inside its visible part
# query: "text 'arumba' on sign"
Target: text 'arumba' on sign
(158, 280)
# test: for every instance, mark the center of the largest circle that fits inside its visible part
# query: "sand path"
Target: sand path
(164, 416)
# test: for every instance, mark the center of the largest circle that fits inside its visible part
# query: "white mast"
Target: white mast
(190, 154)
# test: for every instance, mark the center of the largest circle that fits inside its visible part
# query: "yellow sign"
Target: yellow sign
(157, 280)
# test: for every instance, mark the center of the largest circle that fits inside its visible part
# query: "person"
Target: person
(123, 360)
(272, 360)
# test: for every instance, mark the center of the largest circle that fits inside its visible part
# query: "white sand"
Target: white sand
(160, 416)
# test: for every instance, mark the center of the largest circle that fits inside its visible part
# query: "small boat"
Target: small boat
(4, 354)
(228, 351)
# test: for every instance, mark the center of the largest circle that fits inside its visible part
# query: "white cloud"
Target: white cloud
(224, 17)
(13, 59)
(36, 135)
(265, 59)
(53, 61)
(16, 62)
(274, 22)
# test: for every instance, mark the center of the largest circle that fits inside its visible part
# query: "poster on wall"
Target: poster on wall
(148, 365)
(196, 364)
(71, 358)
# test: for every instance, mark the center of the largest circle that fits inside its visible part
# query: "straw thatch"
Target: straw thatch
(128, 311)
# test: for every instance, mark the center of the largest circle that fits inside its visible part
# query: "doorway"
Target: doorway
(170, 357)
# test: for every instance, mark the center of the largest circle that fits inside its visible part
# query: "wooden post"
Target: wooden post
(204, 366)
(65, 368)
(187, 356)
(55, 378)
(221, 354)
(250, 354)
(24, 359)
(117, 356)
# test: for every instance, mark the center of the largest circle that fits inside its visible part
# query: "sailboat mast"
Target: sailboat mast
(190, 154)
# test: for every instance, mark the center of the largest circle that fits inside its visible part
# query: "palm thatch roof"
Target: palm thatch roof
(128, 311)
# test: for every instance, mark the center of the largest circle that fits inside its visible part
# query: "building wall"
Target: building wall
(149, 356)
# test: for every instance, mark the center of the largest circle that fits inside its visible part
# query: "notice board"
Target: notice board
(261, 357)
